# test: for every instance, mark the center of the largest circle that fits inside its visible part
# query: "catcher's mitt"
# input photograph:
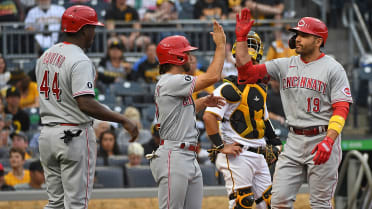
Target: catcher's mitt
(213, 154)
(271, 154)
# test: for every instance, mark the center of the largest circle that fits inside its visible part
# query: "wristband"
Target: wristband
(216, 139)
(336, 123)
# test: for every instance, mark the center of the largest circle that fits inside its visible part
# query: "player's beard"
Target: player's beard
(186, 67)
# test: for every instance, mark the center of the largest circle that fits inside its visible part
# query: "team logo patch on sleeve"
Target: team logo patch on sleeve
(90, 85)
(188, 78)
(346, 91)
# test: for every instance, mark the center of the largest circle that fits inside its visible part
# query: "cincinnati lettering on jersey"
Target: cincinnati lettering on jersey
(304, 82)
(55, 59)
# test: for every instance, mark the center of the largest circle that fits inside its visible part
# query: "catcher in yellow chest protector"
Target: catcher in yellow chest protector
(244, 122)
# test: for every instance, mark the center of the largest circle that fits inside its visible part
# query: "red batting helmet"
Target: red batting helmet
(312, 26)
(171, 50)
(75, 17)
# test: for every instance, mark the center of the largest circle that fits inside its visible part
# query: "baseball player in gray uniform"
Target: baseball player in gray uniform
(316, 96)
(174, 165)
(67, 144)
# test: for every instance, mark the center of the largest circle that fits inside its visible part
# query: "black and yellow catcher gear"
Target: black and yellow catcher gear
(255, 46)
(248, 118)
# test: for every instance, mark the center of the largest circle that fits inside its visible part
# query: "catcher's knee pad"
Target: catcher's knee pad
(266, 196)
(244, 198)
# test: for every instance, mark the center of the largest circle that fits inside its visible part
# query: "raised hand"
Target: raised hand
(243, 24)
(218, 34)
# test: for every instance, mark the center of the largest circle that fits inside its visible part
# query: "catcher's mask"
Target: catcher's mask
(255, 46)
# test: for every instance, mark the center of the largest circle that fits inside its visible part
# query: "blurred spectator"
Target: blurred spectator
(28, 4)
(185, 9)
(234, 7)
(20, 140)
(3, 185)
(20, 119)
(279, 48)
(11, 11)
(18, 175)
(275, 109)
(4, 74)
(142, 5)
(266, 9)
(154, 142)
(37, 179)
(27, 88)
(113, 67)
(135, 154)
(149, 69)
(165, 11)
(100, 126)
(210, 9)
(120, 11)
(108, 146)
(194, 71)
(46, 18)
(144, 135)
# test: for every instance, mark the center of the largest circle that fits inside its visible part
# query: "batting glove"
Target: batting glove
(243, 25)
(323, 151)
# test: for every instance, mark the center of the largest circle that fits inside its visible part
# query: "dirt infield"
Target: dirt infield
(302, 202)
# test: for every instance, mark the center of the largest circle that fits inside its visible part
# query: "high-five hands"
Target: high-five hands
(218, 34)
(243, 24)
(323, 151)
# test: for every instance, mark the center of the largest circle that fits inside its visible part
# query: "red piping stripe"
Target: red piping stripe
(86, 191)
(83, 92)
(169, 178)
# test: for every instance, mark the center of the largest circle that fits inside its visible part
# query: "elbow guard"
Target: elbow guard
(336, 123)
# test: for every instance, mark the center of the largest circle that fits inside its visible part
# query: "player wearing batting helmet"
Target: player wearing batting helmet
(174, 165)
(67, 144)
(316, 96)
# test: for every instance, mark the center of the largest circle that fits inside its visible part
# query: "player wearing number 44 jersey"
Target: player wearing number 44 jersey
(67, 144)
(316, 96)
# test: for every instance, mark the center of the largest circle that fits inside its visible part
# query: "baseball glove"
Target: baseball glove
(271, 154)
(213, 154)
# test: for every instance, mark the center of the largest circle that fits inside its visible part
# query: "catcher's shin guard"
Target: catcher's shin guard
(266, 196)
(244, 198)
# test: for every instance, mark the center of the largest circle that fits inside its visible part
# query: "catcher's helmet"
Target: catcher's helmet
(312, 26)
(75, 17)
(255, 46)
(172, 50)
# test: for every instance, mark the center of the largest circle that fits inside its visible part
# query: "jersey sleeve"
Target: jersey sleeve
(215, 110)
(273, 67)
(82, 78)
(339, 86)
(181, 85)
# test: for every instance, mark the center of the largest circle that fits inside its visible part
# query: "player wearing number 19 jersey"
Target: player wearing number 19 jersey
(316, 96)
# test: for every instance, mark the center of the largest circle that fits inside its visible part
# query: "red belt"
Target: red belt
(309, 131)
(183, 146)
(69, 124)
